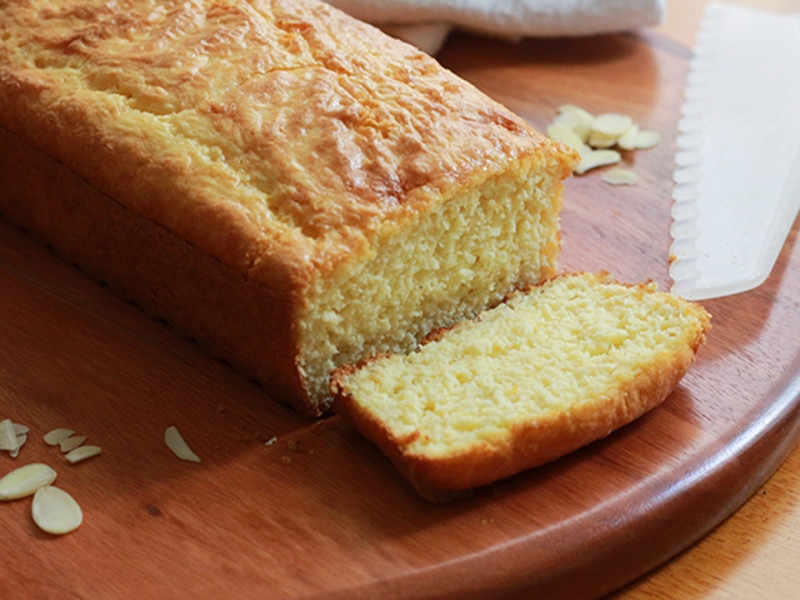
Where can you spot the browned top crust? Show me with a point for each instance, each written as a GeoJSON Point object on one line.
{"type": "Point", "coordinates": [277, 135]}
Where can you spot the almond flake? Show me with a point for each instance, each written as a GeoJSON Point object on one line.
{"type": "Point", "coordinates": [647, 139]}
{"type": "Point", "coordinates": [620, 176]}
{"type": "Point", "coordinates": [577, 118]}
{"type": "Point", "coordinates": [178, 445]}
{"type": "Point", "coordinates": [629, 139]}
{"type": "Point", "coordinates": [611, 124]}
{"type": "Point", "coordinates": [71, 442]}
{"type": "Point", "coordinates": [8, 437]}
{"type": "Point", "coordinates": [82, 453]}
{"type": "Point", "coordinates": [597, 158]}
{"type": "Point", "coordinates": [55, 511]}
{"type": "Point", "coordinates": [25, 480]}
{"type": "Point", "coordinates": [598, 139]}
{"type": "Point", "coordinates": [21, 439]}
{"type": "Point", "coordinates": [565, 134]}
{"type": "Point", "coordinates": [56, 436]}
{"type": "Point", "coordinates": [574, 109]}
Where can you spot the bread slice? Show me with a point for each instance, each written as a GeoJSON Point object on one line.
{"type": "Point", "coordinates": [285, 184]}
{"type": "Point", "coordinates": [546, 372]}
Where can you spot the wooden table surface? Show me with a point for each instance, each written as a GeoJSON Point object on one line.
{"type": "Point", "coordinates": [153, 509]}
{"type": "Point", "coordinates": [755, 553]}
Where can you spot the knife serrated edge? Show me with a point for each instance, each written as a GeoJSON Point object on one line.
{"type": "Point", "coordinates": [686, 261]}
{"type": "Point", "coordinates": [686, 177]}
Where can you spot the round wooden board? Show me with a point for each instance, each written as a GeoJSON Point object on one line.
{"type": "Point", "coordinates": [282, 508]}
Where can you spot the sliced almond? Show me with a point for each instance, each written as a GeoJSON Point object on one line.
{"type": "Point", "coordinates": [620, 176]}
{"type": "Point", "coordinates": [574, 109]}
{"type": "Point", "coordinates": [564, 133]}
{"type": "Point", "coordinates": [647, 139]}
{"type": "Point", "coordinates": [8, 437]}
{"type": "Point", "coordinates": [21, 439]}
{"type": "Point", "coordinates": [56, 436]}
{"type": "Point", "coordinates": [176, 443]}
{"type": "Point", "coordinates": [82, 453]}
{"type": "Point", "coordinates": [577, 118]}
{"type": "Point", "coordinates": [55, 511]}
{"type": "Point", "coordinates": [598, 139]}
{"type": "Point", "coordinates": [611, 124]}
{"type": "Point", "coordinates": [629, 139]}
{"type": "Point", "coordinates": [597, 158]}
{"type": "Point", "coordinates": [25, 480]}
{"type": "Point", "coordinates": [20, 428]}
{"type": "Point", "coordinates": [71, 442]}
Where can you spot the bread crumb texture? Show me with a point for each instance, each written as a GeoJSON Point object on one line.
{"type": "Point", "coordinates": [544, 373]}
{"type": "Point", "coordinates": [452, 264]}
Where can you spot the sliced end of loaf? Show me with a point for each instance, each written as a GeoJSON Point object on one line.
{"type": "Point", "coordinates": [552, 369]}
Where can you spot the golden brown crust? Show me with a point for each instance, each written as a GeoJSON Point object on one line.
{"type": "Point", "coordinates": [290, 106]}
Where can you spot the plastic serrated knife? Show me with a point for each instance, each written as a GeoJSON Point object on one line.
{"type": "Point", "coordinates": [737, 176]}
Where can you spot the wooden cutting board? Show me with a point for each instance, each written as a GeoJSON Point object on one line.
{"type": "Point", "coordinates": [281, 508]}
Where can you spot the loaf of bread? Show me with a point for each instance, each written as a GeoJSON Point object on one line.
{"type": "Point", "coordinates": [554, 368]}
{"type": "Point", "coordinates": [283, 183]}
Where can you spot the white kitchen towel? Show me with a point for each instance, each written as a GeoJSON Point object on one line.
{"type": "Point", "coordinates": [426, 23]}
